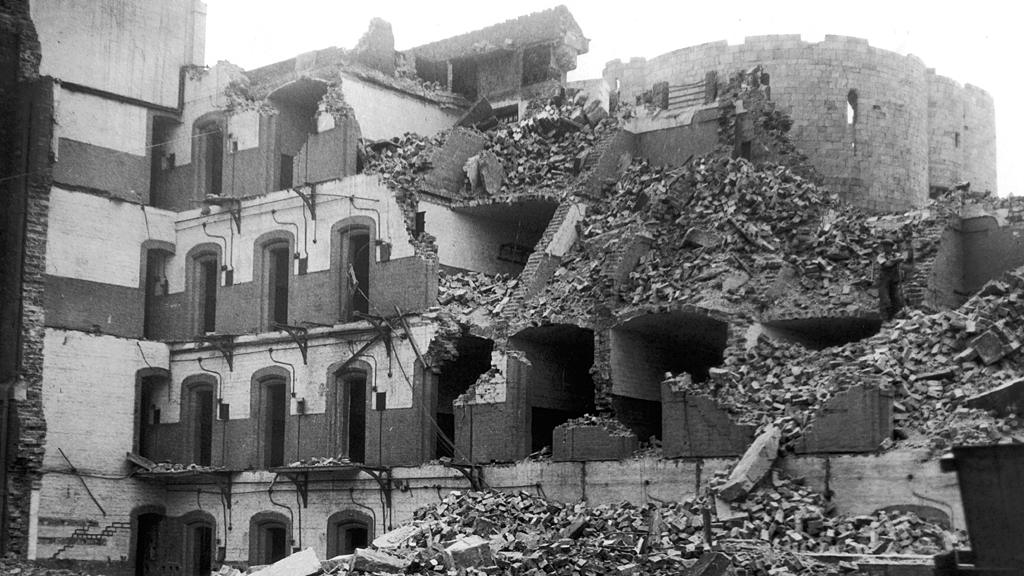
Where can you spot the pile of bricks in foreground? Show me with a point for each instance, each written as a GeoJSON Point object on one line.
{"type": "Point", "coordinates": [769, 532]}
{"type": "Point", "coordinates": [12, 567]}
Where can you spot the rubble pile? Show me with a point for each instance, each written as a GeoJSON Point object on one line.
{"type": "Point", "coordinates": [465, 292]}
{"type": "Point", "coordinates": [611, 425]}
{"type": "Point", "coordinates": [524, 534]}
{"type": "Point", "coordinates": [550, 147]}
{"type": "Point", "coordinates": [15, 567]}
{"type": "Point", "coordinates": [792, 517]}
{"type": "Point", "coordinates": [934, 362]}
{"type": "Point", "coordinates": [727, 234]}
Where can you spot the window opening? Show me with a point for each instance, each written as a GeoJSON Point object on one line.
{"type": "Point", "coordinates": [211, 139]}
{"type": "Point", "coordinates": [350, 413]}
{"type": "Point", "coordinates": [156, 285]}
{"type": "Point", "coordinates": [956, 139]}
{"type": "Point", "coordinates": [350, 536]}
{"type": "Point", "coordinates": [275, 408]}
{"type": "Point", "coordinates": [421, 224]}
{"type": "Point", "coordinates": [287, 174]}
{"type": "Point", "coordinates": [207, 278]}
{"type": "Point", "coordinates": [278, 271]}
{"type": "Point", "coordinates": [201, 410]}
{"type": "Point", "coordinates": [146, 416]}
{"type": "Point", "coordinates": [355, 268]}
{"type": "Point", "coordinates": [272, 544]}
{"type": "Point", "coordinates": [851, 107]}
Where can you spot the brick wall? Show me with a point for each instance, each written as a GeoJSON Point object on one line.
{"type": "Point", "coordinates": [695, 426]}
{"type": "Point", "coordinates": [881, 161]}
{"type": "Point", "coordinates": [26, 123]}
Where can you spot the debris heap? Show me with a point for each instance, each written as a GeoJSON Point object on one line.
{"type": "Point", "coordinates": [935, 363]}
{"type": "Point", "coordinates": [525, 534]}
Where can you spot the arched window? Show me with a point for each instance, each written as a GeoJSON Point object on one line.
{"type": "Point", "coordinates": [202, 278]}
{"type": "Point", "coordinates": [347, 406]}
{"type": "Point", "coordinates": [199, 538]}
{"type": "Point", "coordinates": [270, 405]}
{"type": "Point", "coordinates": [149, 382]}
{"type": "Point", "coordinates": [353, 251]}
{"type": "Point", "coordinates": [269, 538]}
{"type": "Point", "coordinates": [197, 406]}
{"type": "Point", "coordinates": [346, 531]}
{"type": "Point", "coordinates": [153, 276]}
{"type": "Point", "coordinates": [274, 258]}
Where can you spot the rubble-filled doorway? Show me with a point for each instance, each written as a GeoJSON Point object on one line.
{"type": "Point", "coordinates": [646, 347]}
{"type": "Point", "coordinates": [555, 378]}
{"type": "Point", "coordinates": [473, 359]}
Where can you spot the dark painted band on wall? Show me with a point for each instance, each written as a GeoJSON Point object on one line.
{"type": "Point", "coordinates": [93, 306]}
{"type": "Point", "coordinates": [121, 174]}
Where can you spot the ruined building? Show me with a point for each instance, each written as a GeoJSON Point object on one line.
{"type": "Point", "coordinates": [249, 311]}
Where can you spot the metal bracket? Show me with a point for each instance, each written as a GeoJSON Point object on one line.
{"type": "Point", "coordinates": [473, 472]}
{"type": "Point", "coordinates": [383, 477]}
{"type": "Point", "coordinates": [308, 199]}
{"type": "Point", "coordinates": [301, 481]}
{"type": "Point", "coordinates": [224, 484]}
{"type": "Point", "coordinates": [234, 206]}
{"type": "Point", "coordinates": [225, 344]}
{"type": "Point", "coordinates": [300, 334]}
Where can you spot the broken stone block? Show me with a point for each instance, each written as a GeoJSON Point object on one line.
{"type": "Point", "coordinates": [989, 347]}
{"type": "Point", "coordinates": [712, 564]}
{"type": "Point", "coordinates": [1004, 400]}
{"type": "Point", "coordinates": [480, 112]}
{"type": "Point", "coordinates": [756, 462]}
{"type": "Point", "coordinates": [469, 552]}
{"type": "Point", "coordinates": [301, 563]}
{"type": "Point", "coordinates": [365, 560]}
{"type": "Point", "coordinates": [396, 537]}
{"type": "Point", "coordinates": [595, 112]}
{"type": "Point", "coordinates": [697, 238]}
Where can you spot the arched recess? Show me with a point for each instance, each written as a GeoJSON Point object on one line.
{"type": "Point", "coordinates": [208, 145]}
{"type": "Point", "coordinates": [273, 254]}
{"type": "Point", "coordinates": [198, 409]}
{"type": "Point", "coordinates": [348, 402]}
{"type": "Point", "coordinates": [154, 256]}
{"type": "Point", "coordinates": [203, 264]}
{"type": "Point", "coordinates": [348, 530]}
{"type": "Point", "coordinates": [148, 383]}
{"type": "Point", "coordinates": [270, 537]}
{"type": "Point", "coordinates": [199, 542]}
{"type": "Point", "coordinates": [269, 409]}
{"type": "Point", "coordinates": [296, 121]}
{"type": "Point", "coordinates": [353, 256]}
{"type": "Point", "coordinates": [557, 377]}
{"type": "Point", "coordinates": [146, 552]}
{"type": "Point", "coordinates": [646, 346]}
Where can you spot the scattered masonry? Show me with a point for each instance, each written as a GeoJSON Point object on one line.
{"type": "Point", "coordinates": [440, 311]}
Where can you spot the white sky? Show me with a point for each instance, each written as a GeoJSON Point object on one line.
{"type": "Point", "coordinates": [971, 42]}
